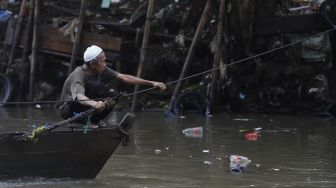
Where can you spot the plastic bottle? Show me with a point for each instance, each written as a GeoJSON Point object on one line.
{"type": "Point", "coordinates": [195, 132]}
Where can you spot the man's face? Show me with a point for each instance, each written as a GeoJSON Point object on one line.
{"type": "Point", "coordinates": [100, 66]}
{"type": "Point", "coordinates": [102, 58]}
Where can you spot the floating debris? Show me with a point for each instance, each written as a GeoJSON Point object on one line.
{"type": "Point", "coordinates": [207, 162]}
{"type": "Point", "coordinates": [38, 106]}
{"type": "Point", "coordinates": [238, 164]}
{"type": "Point", "coordinates": [253, 136]}
{"type": "Point", "coordinates": [158, 152]}
{"type": "Point", "coordinates": [196, 132]}
{"type": "Point", "coordinates": [242, 119]}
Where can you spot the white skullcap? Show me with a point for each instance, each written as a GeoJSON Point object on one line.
{"type": "Point", "coordinates": [91, 53]}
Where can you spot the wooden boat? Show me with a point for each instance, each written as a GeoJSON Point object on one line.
{"type": "Point", "coordinates": [66, 152]}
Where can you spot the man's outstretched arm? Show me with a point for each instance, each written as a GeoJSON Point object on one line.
{"type": "Point", "coordinates": [139, 81]}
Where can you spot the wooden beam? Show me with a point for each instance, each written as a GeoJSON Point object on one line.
{"type": "Point", "coordinates": [78, 36]}
{"type": "Point", "coordinates": [27, 34]}
{"type": "Point", "coordinates": [17, 34]}
{"type": "Point", "coordinates": [34, 50]}
{"type": "Point", "coordinates": [214, 88]}
{"type": "Point", "coordinates": [27, 39]}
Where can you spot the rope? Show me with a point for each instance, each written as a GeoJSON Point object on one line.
{"type": "Point", "coordinates": [38, 131]}
{"type": "Point", "coordinates": [188, 77]}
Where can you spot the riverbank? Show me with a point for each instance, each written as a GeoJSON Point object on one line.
{"type": "Point", "coordinates": [265, 57]}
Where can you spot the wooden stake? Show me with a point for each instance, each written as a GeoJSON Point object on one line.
{"type": "Point", "coordinates": [197, 35]}
{"type": "Point", "coordinates": [143, 49]}
{"type": "Point", "coordinates": [34, 50]}
{"type": "Point", "coordinates": [26, 43]}
{"type": "Point", "coordinates": [78, 36]}
{"type": "Point", "coordinates": [27, 32]}
{"type": "Point", "coordinates": [214, 81]}
{"type": "Point", "coordinates": [17, 33]}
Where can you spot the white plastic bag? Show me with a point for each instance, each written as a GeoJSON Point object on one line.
{"type": "Point", "coordinates": [238, 163]}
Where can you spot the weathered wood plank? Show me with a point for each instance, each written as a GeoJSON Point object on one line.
{"type": "Point", "coordinates": [52, 40]}
{"type": "Point", "coordinates": [63, 43]}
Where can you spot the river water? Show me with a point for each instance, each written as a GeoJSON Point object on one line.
{"type": "Point", "coordinates": [289, 152]}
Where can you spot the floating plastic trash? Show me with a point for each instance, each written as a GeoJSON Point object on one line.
{"type": "Point", "coordinates": [242, 119]}
{"type": "Point", "coordinates": [257, 129]}
{"type": "Point", "coordinates": [196, 132]}
{"type": "Point", "coordinates": [236, 170]}
{"type": "Point", "coordinates": [238, 164]}
{"type": "Point", "coordinates": [253, 136]}
{"type": "Point", "coordinates": [207, 162]}
{"type": "Point", "coordinates": [242, 96]}
{"type": "Point", "coordinates": [158, 152]}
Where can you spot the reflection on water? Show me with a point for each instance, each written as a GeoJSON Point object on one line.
{"type": "Point", "coordinates": [289, 152]}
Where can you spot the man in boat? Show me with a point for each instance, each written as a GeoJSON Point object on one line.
{"type": "Point", "coordinates": [74, 93]}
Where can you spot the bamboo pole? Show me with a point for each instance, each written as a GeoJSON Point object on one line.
{"type": "Point", "coordinates": [78, 36]}
{"type": "Point", "coordinates": [196, 38]}
{"type": "Point", "coordinates": [143, 49]}
{"type": "Point", "coordinates": [214, 81]}
{"type": "Point", "coordinates": [27, 32]}
{"type": "Point", "coordinates": [27, 42]}
{"type": "Point", "coordinates": [34, 50]}
{"type": "Point", "coordinates": [17, 33]}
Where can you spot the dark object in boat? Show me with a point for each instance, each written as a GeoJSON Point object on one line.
{"type": "Point", "coordinates": [67, 152]}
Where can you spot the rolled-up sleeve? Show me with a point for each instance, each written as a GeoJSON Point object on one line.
{"type": "Point", "coordinates": [77, 88]}
{"type": "Point", "coordinates": [109, 73]}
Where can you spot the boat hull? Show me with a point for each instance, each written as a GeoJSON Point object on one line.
{"type": "Point", "coordinates": [62, 153]}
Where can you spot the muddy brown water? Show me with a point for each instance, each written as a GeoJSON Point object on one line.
{"type": "Point", "coordinates": [290, 152]}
